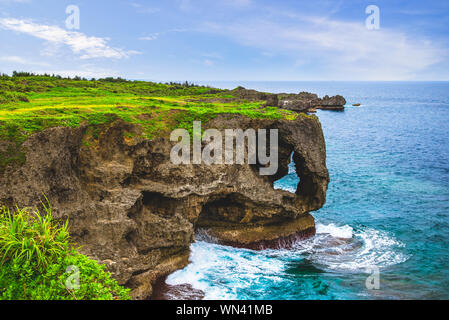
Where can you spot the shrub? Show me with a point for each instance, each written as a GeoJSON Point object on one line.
{"type": "Point", "coordinates": [6, 97]}
{"type": "Point", "coordinates": [30, 236]}
{"type": "Point", "coordinates": [35, 252]}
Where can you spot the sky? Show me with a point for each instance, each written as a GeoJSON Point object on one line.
{"type": "Point", "coordinates": [228, 40]}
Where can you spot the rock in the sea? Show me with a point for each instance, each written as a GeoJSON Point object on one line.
{"type": "Point", "coordinates": [332, 103]}
{"type": "Point", "coordinates": [131, 208]}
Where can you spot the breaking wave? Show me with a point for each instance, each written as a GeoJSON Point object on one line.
{"type": "Point", "coordinates": [223, 272]}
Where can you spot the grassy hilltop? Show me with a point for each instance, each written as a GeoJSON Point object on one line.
{"type": "Point", "coordinates": [30, 103]}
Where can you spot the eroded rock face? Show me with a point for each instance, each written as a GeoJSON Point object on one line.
{"type": "Point", "coordinates": [306, 102]}
{"type": "Point", "coordinates": [250, 94]}
{"type": "Point", "coordinates": [303, 102]}
{"type": "Point", "coordinates": [331, 103]}
{"type": "Point", "coordinates": [132, 209]}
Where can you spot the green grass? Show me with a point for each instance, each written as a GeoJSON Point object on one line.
{"type": "Point", "coordinates": [29, 236]}
{"type": "Point", "coordinates": [30, 103]}
{"type": "Point", "coordinates": [35, 251]}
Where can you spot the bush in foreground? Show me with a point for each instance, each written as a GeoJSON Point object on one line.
{"type": "Point", "coordinates": [38, 262]}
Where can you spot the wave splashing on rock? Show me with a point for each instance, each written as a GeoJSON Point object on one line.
{"type": "Point", "coordinates": [224, 272]}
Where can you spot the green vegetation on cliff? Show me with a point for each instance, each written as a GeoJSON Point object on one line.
{"type": "Point", "coordinates": [30, 103]}
{"type": "Point", "coordinates": [38, 262]}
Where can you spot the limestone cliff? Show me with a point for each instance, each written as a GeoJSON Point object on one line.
{"type": "Point", "coordinates": [298, 102]}
{"type": "Point", "coordinates": [132, 209]}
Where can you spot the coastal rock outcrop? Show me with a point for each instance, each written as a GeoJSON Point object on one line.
{"type": "Point", "coordinates": [302, 102]}
{"type": "Point", "coordinates": [249, 94]}
{"type": "Point", "coordinates": [132, 209]}
{"type": "Point", "coordinates": [331, 103]}
{"type": "Point", "coordinates": [307, 102]}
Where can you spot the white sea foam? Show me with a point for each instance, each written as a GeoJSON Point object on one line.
{"type": "Point", "coordinates": [344, 232]}
{"type": "Point", "coordinates": [289, 189]}
{"type": "Point", "coordinates": [343, 248]}
{"type": "Point", "coordinates": [223, 272]}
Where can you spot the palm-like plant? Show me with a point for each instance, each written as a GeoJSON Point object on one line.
{"type": "Point", "coordinates": [26, 235]}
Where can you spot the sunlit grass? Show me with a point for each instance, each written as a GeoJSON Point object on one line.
{"type": "Point", "coordinates": [28, 235]}
{"type": "Point", "coordinates": [156, 108]}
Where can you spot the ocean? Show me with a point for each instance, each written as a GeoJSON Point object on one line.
{"type": "Point", "coordinates": [387, 207]}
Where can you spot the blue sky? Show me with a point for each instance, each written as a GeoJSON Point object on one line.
{"type": "Point", "coordinates": [200, 40]}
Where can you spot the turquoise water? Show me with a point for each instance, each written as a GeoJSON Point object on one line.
{"type": "Point", "coordinates": [387, 205]}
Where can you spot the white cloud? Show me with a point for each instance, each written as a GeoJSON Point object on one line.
{"type": "Point", "coordinates": [156, 35]}
{"type": "Point", "coordinates": [150, 37]}
{"type": "Point", "coordinates": [344, 50]}
{"type": "Point", "coordinates": [143, 9]}
{"type": "Point", "coordinates": [14, 59]}
{"type": "Point", "coordinates": [84, 71]}
{"type": "Point", "coordinates": [87, 47]}
{"type": "Point", "coordinates": [23, 61]}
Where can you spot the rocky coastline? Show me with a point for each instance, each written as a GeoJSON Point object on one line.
{"type": "Point", "coordinates": [133, 210]}
{"type": "Point", "coordinates": [300, 102]}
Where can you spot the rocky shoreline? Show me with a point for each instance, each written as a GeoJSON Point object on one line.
{"type": "Point", "coordinates": [164, 291]}
{"type": "Point", "coordinates": [301, 102]}
{"type": "Point", "coordinates": [133, 210]}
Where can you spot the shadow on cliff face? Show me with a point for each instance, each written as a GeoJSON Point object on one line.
{"type": "Point", "coordinates": [234, 208]}
{"type": "Point", "coordinates": [274, 218]}
{"type": "Point", "coordinates": [157, 225]}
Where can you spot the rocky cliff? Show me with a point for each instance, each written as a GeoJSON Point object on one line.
{"type": "Point", "coordinates": [132, 209]}
{"type": "Point", "coordinates": [303, 102]}
{"type": "Point", "coordinates": [309, 102]}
